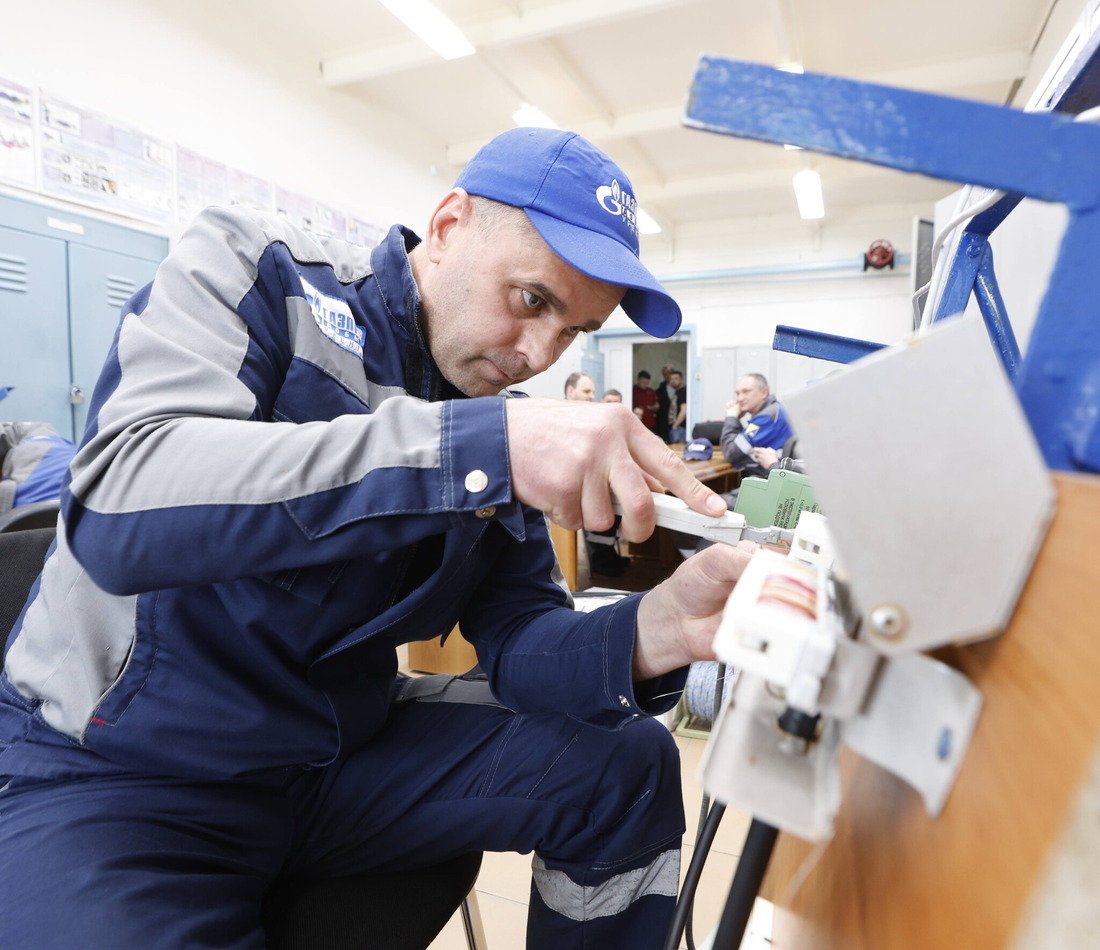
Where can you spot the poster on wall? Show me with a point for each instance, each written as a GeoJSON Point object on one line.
{"type": "Point", "coordinates": [250, 191]}
{"type": "Point", "coordinates": [200, 183]}
{"type": "Point", "coordinates": [18, 157]}
{"type": "Point", "coordinates": [94, 160]}
{"type": "Point", "coordinates": [365, 232]}
{"type": "Point", "coordinates": [310, 215]}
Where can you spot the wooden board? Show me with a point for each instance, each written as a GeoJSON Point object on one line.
{"type": "Point", "coordinates": [894, 879]}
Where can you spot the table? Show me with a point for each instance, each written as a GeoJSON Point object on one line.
{"type": "Point", "coordinates": [714, 472]}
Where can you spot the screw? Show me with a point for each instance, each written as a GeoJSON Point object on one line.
{"type": "Point", "coordinates": [889, 621]}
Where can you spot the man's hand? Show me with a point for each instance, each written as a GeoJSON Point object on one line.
{"type": "Point", "coordinates": [677, 620]}
{"type": "Point", "coordinates": [569, 459]}
{"type": "Point", "coordinates": [764, 456]}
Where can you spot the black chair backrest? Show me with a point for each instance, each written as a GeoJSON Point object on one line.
{"type": "Point", "coordinates": [21, 557]}
{"type": "Point", "coordinates": [38, 514]}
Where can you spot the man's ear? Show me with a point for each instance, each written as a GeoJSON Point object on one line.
{"type": "Point", "coordinates": [455, 209]}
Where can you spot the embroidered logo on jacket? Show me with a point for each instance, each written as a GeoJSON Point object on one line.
{"type": "Point", "coordinates": [333, 318]}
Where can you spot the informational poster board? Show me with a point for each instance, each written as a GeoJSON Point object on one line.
{"type": "Point", "coordinates": [55, 147]}
{"type": "Point", "coordinates": [94, 160]}
{"type": "Point", "coordinates": [18, 151]}
{"type": "Point", "coordinates": [200, 182]}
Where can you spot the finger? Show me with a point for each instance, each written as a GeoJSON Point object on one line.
{"type": "Point", "coordinates": [661, 463]}
{"type": "Point", "coordinates": [632, 492]}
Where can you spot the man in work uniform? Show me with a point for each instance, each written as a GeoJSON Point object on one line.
{"type": "Point", "coordinates": [754, 419]}
{"type": "Point", "coordinates": [301, 454]}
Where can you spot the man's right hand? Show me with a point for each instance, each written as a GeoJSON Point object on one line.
{"type": "Point", "coordinates": [570, 459]}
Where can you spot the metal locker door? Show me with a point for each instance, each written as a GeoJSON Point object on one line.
{"type": "Point", "coordinates": [100, 283]}
{"type": "Point", "coordinates": [34, 330]}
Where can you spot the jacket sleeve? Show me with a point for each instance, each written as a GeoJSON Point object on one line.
{"type": "Point", "coordinates": [184, 476]}
{"type": "Point", "coordinates": [735, 447]}
{"type": "Point", "coordinates": [542, 656]}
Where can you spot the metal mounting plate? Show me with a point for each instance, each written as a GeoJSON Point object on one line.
{"type": "Point", "coordinates": [933, 484]}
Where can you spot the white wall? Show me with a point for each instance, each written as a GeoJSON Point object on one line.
{"type": "Point", "coordinates": [183, 81]}
{"type": "Point", "coordinates": [238, 105]}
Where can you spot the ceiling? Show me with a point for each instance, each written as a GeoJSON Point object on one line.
{"type": "Point", "coordinates": [618, 71]}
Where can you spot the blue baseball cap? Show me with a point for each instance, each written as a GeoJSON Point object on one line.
{"type": "Point", "coordinates": [698, 449]}
{"type": "Point", "coordinates": [583, 206]}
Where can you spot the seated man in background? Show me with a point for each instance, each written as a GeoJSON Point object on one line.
{"type": "Point", "coordinates": [34, 458]}
{"type": "Point", "coordinates": [300, 455]}
{"type": "Point", "coordinates": [754, 419]}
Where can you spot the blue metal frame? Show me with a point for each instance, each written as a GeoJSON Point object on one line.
{"type": "Point", "coordinates": [821, 346]}
{"type": "Point", "coordinates": [1040, 155]}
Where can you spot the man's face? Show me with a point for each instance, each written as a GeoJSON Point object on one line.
{"type": "Point", "coordinates": [750, 395]}
{"type": "Point", "coordinates": [585, 390]}
{"type": "Point", "coordinates": [498, 306]}
{"type": "Point", "coordinates": [612, 397]}
{"type": "Point", "coordinates": [675, 380]}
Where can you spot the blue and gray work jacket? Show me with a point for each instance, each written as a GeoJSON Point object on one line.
{"type": "Point", "coordinates": [273, 491]}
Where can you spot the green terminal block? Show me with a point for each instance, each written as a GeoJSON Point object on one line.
{"type": "Point", "coordinates": [776, 500]}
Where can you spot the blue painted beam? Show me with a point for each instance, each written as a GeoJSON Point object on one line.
{"type": "Point", "coordinates": [821, 346]}
{"type": "Point", "coordinates": [1040, 155]}
{"type": "Point", "coordinates": [1046, 156]}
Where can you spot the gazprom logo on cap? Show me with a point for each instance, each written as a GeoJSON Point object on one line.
{"type": "Point", "coordinates": [615, 200]}
{"type": "Point", "coordinates": [333, 317]}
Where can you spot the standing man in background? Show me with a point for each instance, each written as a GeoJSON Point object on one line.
{"type": "Point", "coordinates": [579, 386]}
{"type": "Point", "coordinates": [754, 419]}
{"type": "Point", "coordinates": [300, 455]}
{"type": "Point", "coordinates": [644, 401]}
{"type": "Point", "coordinates": [612, 395]}
{"type": "Point", "coordinates": [672, 408]}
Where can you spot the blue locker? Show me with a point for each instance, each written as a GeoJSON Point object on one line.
{"type": "Point", "coordinates": [34, 329]}
{"type": "Point", "coordinates": [100, 282]}
{"type": "Point", "coordinates": [63, 280]}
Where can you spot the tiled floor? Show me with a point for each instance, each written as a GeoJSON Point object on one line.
{"type": "Point", "coordinates": [505, 878]}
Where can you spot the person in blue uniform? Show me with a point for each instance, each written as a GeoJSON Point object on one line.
{"type": "Point", "coordinates": [299, 456]}
{"type": "Point", "coordinates": [754, 419]}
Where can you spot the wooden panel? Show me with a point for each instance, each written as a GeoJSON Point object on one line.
{"type": "Point", "coordinates": [894, 878]}
{"type": "Point", "coordinates": [565, 547]}
{"type": "Point", "coordinates": [456, 655]}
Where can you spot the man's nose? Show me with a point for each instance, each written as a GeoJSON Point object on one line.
{"type": "Point", "coordinates": [538, 346]}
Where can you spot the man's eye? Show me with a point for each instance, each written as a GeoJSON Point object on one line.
{"type": "Point", "coordinates": [534, 301]}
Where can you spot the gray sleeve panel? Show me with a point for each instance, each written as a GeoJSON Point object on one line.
{"type": "Point", "coordinates": [176, 429]}
{"type": "Point", "coordinates": [73, 644]}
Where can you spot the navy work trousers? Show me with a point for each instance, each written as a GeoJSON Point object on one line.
{"type": "Point", "coordinates": [129, 862]}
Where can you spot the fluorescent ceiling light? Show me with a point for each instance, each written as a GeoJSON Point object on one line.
{"type": "Point", "coordinates": [432, 26]}
{"type": "Point", "coordinates": [646, 223]}
{"type": "Point", "coordinates": [533, 115]}
{"type": "Point", "coordinates": [807, 191]}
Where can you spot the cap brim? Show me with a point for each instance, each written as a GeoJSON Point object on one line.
{"type": "Point", "coordinates": [598, 256]}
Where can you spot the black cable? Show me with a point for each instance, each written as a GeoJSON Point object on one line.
{"type": "Point", "coordinates": [715, 709]}
{"type": "Point", "coordinates": [759, 843]}
{"type": "Point", "coordinates": [694, 872]}
{"type": "Point", "coordinates": [709, 820]}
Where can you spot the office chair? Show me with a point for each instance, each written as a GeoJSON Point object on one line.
{"type": "Point", "coordinates": [400, 911]}
{"type": "Point", "coordinates": [38, 514]}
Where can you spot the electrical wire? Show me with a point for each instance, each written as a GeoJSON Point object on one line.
{"type": "Point", "coordinates": [691, 879]}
